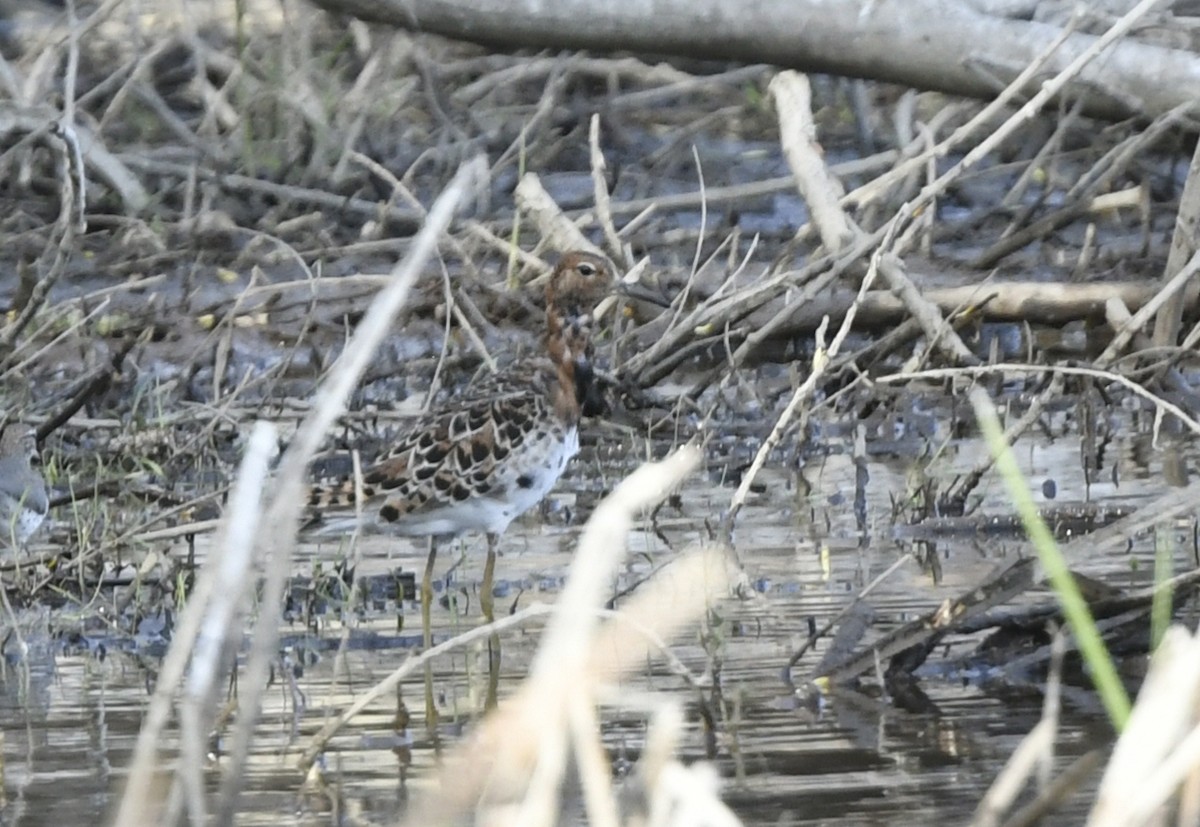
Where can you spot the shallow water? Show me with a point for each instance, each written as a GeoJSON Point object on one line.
{"type": "Point", "coordinates": [69, 731]}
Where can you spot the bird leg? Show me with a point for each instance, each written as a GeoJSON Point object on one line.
{"type": "Point", "coordinates": [487, 602]}
{"type": "Point", "coordinates": [431, 715]}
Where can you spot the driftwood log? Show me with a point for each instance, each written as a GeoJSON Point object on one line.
{"type": "Point", "coordinates": [1035, 302]}
{"type": "Point", "coordinates": [928, 44]}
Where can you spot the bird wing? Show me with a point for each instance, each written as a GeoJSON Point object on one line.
{"type": "Point", "coordinates": [448, 456]}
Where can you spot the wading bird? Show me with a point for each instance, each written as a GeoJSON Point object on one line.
{"type": "Point", "coordinates": [23, 501]}
{"type": "Point", "coordinates": [483, 458]}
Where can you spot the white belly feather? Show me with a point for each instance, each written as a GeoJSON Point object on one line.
{"type": "Point", "coordinates": [520, 483]}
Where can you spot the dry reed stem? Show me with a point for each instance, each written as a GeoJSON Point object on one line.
{"type": "Point", "coordinates": [551, 94]}
{"type": "Point", "coordinates": [1048, 90]}
{"type": "Point", "coordinates": [1173, 287]}
{"type": "Point", "coordinates": [751, 189]}
{"type": "Point", "coordinates": [557, 231]}
{"type": "Point", "coordinates": [66, 128]}
{"type": "Point", "coordinates": [198, 634]}
{"type": "Point", "coordinates": [409, 667]}
{"type": "Point", "coordinates": [65, 228]}
{"type": "Point", "coordinates": [654, 646]}
{"type": "Point", "coordinates": [219, 613]}
{"type": "Point", "coordinates": [1160, 746]}
{"type": "Point", "coordinates": [600, 191]}
{"type": "Point", "coordinates": [405, 219]}
{"type": "Point", "coordinates": [1078, 201]}
{"type": "Point", "coordinates": [1185, 239]}
{"type": "Point", "coordinates": [798, 135]}
{"type": "Point", "coordinates": [1047, 152]}
{"type": "Point", "coordinates": [68, 323]}
{"type": "Point", "coordinates": [637, 632]}
{"type": "Point", "coordinates": [1034, 752]}
{"type": "Point", "coordinates": [36, 119]}
{"type": "Point", "coordinates": [878, 188]}
{"type": "Point", "coordinates": [1016, 772]}
{"type": "Point", "coordinates": [505, 246]}
{"type": "Point", "coordinates": [628, 68]}
{"type": "Point", "coordinates": [601, 550]}
{"type": "Point", "coordinates": [675, 597]}
{"type": "Point", "coordinates": [276, 534]}
{"type": "Point", "coordinates": [715, 313]}
{"type": "Point", "coordinates": [1061, 788]}
{"type": "Point", "coordinates": [1129, 150]}
{"type": "Point", "coordinates": [820, 363]}
{"type": "Point", "coordinates": [455, 299]}
{"type": "Point", "coordinates": [939, 333]}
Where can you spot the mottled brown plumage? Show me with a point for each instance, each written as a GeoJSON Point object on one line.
{"type": "Point", "coordinates": [484, 458]}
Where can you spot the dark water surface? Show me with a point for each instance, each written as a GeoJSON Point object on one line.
{"type": "Point", "coordinates": [69, 724]}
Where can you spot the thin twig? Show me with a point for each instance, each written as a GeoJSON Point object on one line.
{"type": "Point", "coordinates": [1012, 367]}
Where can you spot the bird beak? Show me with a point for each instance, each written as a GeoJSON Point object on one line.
{"type": "Point", "coordinates": [630, 286]}
{"type": "Point", "coordinates": [632, 291]}
{"type": "Point", "coordinates": [641, 292]}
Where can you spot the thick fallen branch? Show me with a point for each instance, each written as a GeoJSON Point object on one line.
{"type": "Point", "coordinates": [1021, 301]}
{"type": "Point", "coordinates": [1035, 302]}
{"type": "Point", "coordinates": [975, 53]}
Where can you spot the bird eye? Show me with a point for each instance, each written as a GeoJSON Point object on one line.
{"type": "Point", "coordinates": [586, 269]}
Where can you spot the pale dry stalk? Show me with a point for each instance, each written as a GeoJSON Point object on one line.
{"type": "Point", "coordinates": [1160, 746]}
{"type": "Point", "coordinates": [276, 532]}
{"type": "Point", "coordinates": [798, 135]}
{"type": "Point", "coordinates": [600, 191]}
{"type": "Point", "coordinates": [1185, 241]}
{"type": "Point", "coordinates": [557, 231]}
